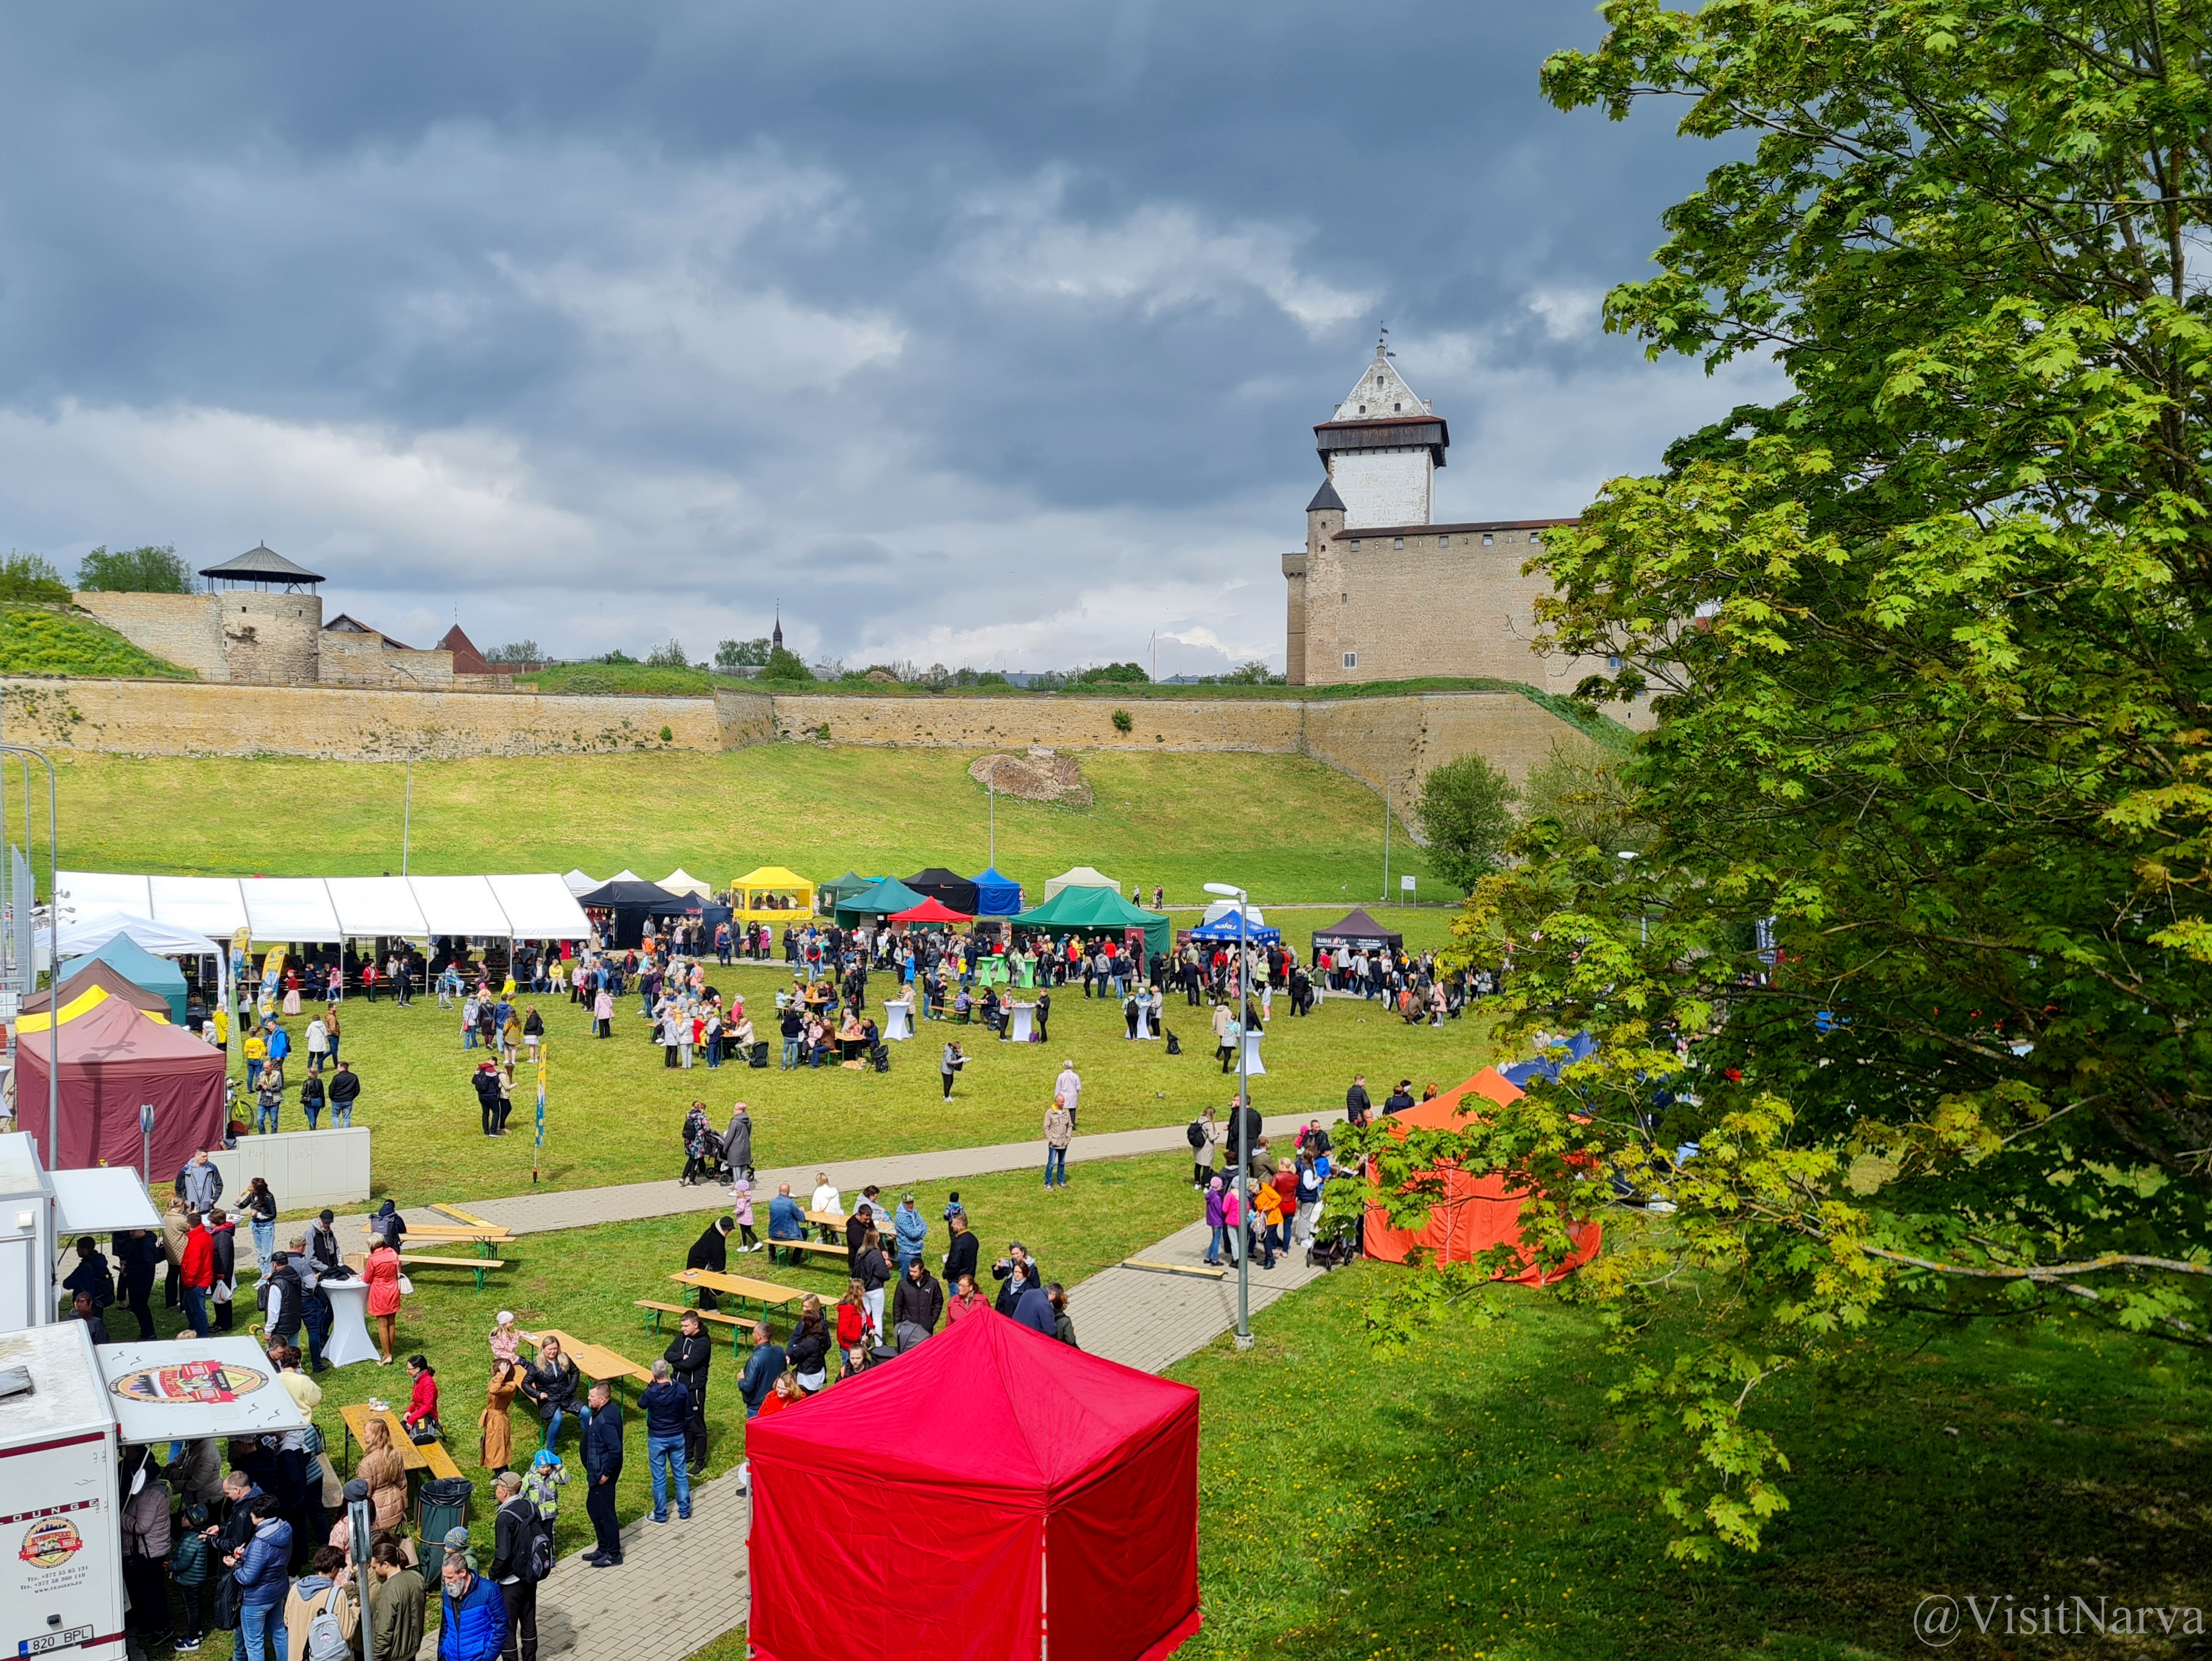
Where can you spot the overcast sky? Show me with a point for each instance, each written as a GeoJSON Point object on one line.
{"type": "Point", "coordinates": [985, 333]}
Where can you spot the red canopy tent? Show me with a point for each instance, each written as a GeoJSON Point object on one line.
{"type": "Point", "coordinates": [113, 1059]}
{"type": "Point", "coordinates": [1475, 1212]}
{"type": "Point", "coordinates": [1014, 1488]}
{"type": "Point", "coordinates": [931, 911]}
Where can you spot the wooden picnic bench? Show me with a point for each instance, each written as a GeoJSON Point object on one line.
{"type": "Point", "coordinates": [358, 1260]}
{"type": "Point", "coordinates": [594, 1362]}
{"type": "Point", "coordinates": [767, 1294]}
{"type": "Point", "coordinates": [429, 1457]}
{"type": "Point", "coordinates": [837, 1250]}
{"type": "Point", "coordinates": [486, 1237]}
{"type": "Point", "coordinates": [654, 1310]}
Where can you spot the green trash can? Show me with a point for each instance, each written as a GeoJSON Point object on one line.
{"type": "Point", "coordinates": [441, 1504]}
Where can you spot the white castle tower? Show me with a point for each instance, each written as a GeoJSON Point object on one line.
{"type": "Point", "coordinates": [1382, 447]}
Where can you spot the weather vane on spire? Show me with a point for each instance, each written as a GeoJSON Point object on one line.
{"type": "Point", "coordinates": [1382, 343]}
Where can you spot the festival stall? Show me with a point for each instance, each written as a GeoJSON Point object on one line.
{"type": "Point", "coordinates": [934, 912]}
{"type": "Point", "coordinates": [948, 888]}
{"type": "Point", "coordinates": [127, 958]}
{"type": "Point", "coordinates": [83, 935]}
{"type": "Point", "coordinates": [110, 983]}
{"type": "Point", "coordinates": [577, 881]}
{"type": "Point", "coordinates": [1081, 876]}
{"type": "Point", "coordinates": [1356, 932]}
{"type": "Point", "coordinates": [680, 881]}
{"type": "Point", "coordinates": [831, 896]}
{"type": "Point", "coordinates": [113, 1058]}
{"type": "Point", "coordinates": [878, 900]}
{"type": "Point", "coordinates": [1225, 931]}
{"type": "Point", "coordinates": [1032, 1497]}
{"type": "Point", "coordinates": [996, 895]}
{"type": "Point", "coordinates": [631, 906]}
{"type": "Point", "coordinates": [772, 895]}
{"type": "Point", "coordinates": [1089, 911]}
{"type": "Point", "coordinates": [1473, 1213]}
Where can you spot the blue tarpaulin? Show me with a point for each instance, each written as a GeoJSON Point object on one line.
{"type": "Point", "coordinates": [1548, 1064]}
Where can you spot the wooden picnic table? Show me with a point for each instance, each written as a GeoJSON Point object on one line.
{"type": "Point", "coordinates": [415, 1456]}
{"type": "Point", "coordinates": [767, 1294]}
{"type": "Point", "coordinates": [487, 1237]}
{"type": "Point", "coordinates": [594, 1362]}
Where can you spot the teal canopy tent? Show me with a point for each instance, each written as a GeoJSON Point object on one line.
{"type": "Point", "coordinates": [880, 900]}
{"type": "Point", "coordinates": [140, 967]}
{"type": "Point", "coordinates": [1081, 910]}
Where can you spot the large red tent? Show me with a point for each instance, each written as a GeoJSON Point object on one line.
{"type": "Point", "coordinates": [1475, 1212]}
{"type": "Point", "coordinates": [1017, 1492]}
{"type": "Point", "coordinates": [931, 911]}
{"type": "Point", "coordinates": [114, 1059]}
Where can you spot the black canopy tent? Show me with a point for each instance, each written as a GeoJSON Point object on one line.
{"type": "Point", "coordinates": [1359, 930]}
{"type": "Point", "coordinates": [633, 903]}
{"type": "Point", "coordinates": [948, 888]}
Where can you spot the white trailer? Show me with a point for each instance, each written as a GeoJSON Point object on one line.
{"type": "Point", "coordinates": [61, 1537]}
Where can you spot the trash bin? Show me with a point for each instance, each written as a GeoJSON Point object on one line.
{"type": "Point", "coordinates": [441, 1503]}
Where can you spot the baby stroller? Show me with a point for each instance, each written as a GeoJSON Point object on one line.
{"type": "Point", "coordinates": [706, 1160]}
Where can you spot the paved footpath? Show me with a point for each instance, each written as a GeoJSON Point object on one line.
{"type": "Point", "coordinates": [682, 1583]}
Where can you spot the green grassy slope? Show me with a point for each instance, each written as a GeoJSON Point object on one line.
{"type": "Point", "coordinates": [1286, 827]}
{"type": "Point", "coordinates": [47, 640]}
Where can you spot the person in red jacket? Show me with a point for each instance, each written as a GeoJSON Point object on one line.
{"type": "Point", "coordinates": [197, 1271]}
{"type": "Point", "coordinates": [421, 1416]}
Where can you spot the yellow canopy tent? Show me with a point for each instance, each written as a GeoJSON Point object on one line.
{"type": "Point", "coordinates": [772, 895]}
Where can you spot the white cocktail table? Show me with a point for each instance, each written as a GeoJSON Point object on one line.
{"type": "Point", "coordinates": [349, 1341]}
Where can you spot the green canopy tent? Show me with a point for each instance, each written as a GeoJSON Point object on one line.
{"type": "Point", "coordinates": [1080, 909]}
{"type": "Point", "coordinates": [878, 900]}
{"type": "Point", "coordinates": [140, 967]}
{"type": "Point", "coordinates": [830, 895]}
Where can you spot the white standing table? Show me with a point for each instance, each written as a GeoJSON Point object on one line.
{"type": "Point", "coordinates": [898, 1020]}
{"type": "Point", "coordinates": [349, 1341]}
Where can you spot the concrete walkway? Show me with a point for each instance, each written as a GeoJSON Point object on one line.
{"type": "Point", "coordinates": [682, 1585]}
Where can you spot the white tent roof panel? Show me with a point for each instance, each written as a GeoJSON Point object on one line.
{"type": "Point", "coordinates": [370, 907]}
{"type": "Point", "coordinates": [290, 908]}
{"type": "Point", "coordinates": [206, 904]}
{"type": "Point", "coordinates": [459, 904]}
{"type": "Point", "coordinates": [87, 893]}
{"type": "Point", "coordinates": [579, 882]}
{"type": "Point", "coordinates": [101, 1200]}
{"type": "Point", "coordinates": [1081, 876]}
{"type": "Point", "coordinates": [540, 908]}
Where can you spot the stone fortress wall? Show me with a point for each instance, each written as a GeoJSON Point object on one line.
{"type": "Point", "coordinates": [257, 637]}
{"type": "Point", "coordinates": [1384, 743]}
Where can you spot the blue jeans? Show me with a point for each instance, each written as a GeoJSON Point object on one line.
{"type": "Point", "coordinates": [265, 1245]}
{"type": "Point", "coordinates": [468, 1037]}
{"type": "Point", "coordinates": [791, 1052]}
{"type": "Point", "coordinates": [196, 1308]}
{"type": "Point", "coordinates": [255, 1621]}
{"type": "Point", "coordinates": [1214, 1246]}
{"type": "Point", "coordinates": [1055, 1161]}
{"type": "Point", "coordinates": [264, 1120]}
{"type": "Point", "coordinates": [666, 1454]}
{"type": "Point", "coordinates": [553, 1428]}
{"type": "Point", "coordinates": [342, 1115]}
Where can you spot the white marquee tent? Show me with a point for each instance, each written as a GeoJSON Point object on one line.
{"type": "Point", "coordinates": [1082, 876]}
{"type": "Point", "coordinates": [315, 909]}
{"type": "Point", "coordinates": [680, 881]}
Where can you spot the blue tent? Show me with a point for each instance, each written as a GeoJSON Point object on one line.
{"type": "Point", "coordinates": [1225, 927]}
{"type": "Point", "coordinates": [1549, 1064]}
{"type": "Point", "coordinates": [996, 895]}
{"type": "Point", "coordinates": [140, 967]}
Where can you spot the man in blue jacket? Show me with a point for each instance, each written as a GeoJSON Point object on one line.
{"type": "Point", "coordinates": [262, 1568]}
{"type": "Point", "coordinates": [475, 1624]}
{"type": "Point", "coordinates": [763, 1368]}
{"type": "Point", "coordinates": [911, 1232]}
{"type": "Point", "coordinates": [603, 1464]}
{"type": "Point", "coordinates": [667, 1407]}
{"type": "Point", "coordinates": [786, 1220]}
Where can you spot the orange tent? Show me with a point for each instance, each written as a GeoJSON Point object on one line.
{"type": "Point", "coordinates": [1475, 1212]}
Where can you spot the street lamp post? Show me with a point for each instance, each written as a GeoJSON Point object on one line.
{"type": "Point", "coordinates": [1242, 1244]}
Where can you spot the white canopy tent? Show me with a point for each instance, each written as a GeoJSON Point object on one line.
{"type": "Point", "coordinates": [290, 908]}
{"type": "Point", "coordinates": [1082, 876]}
{"type": "Point", "coordinates": [210, 905]}
{"type": "Point", "coordinates": [1221, 908]}
{"type": "Point", "coordinates": [101, 1200]}
{"type": "Point", "coordinates": [372, 907]}
{"type": "Point", "coordinates": [579, 882]}
{"type": "Point", "coordinates": [625, 874]}
{"type": "Point", "coordinates": [203, 914]}
{"type": "Point", "coordinates": [89, 894]}
{"type": "Point", "coordinates": [680, 881]}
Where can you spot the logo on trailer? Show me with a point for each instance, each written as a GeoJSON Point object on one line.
{"type": "Point", "coordinates": [51, 1544]}
{"type": "Point", "coordinates": [193, 1382]}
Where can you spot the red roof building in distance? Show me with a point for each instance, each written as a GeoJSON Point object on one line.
{"type": "Point", "coordinates": [467, 660]}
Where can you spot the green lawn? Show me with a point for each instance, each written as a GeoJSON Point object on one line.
{"type": "Point", "coordinates": [583, 1281]}
{"type": "Point", "coordinates": [49, 641]}
{"type": "Point", "coordinates": [614, 1110]}
{"type": "Point", "coordinates": [1177, 821]}
{"type": "Point", "coordinates": [1437, 1504]}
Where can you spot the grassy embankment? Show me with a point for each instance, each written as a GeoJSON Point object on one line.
{"type": "Point", "coordinates": [38, 640]}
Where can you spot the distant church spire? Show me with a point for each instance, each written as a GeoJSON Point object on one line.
{"type": "Point", "coordinates": [775, 640]}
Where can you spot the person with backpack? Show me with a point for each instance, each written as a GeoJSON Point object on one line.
{"type": "Point", "coordinates": [1204, 1134]}
{"type": "Point", "coordinates": [323, 1615]}
{"type": "Point", "coordinates": [521, 1556]}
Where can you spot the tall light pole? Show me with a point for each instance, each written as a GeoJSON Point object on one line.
{"type": "Point", "coordinates": [53, 945]}
{"type": "Point", "coordinates": [1244, 1122]}
{"type": "Point", "coordinates": [407, 819]}
{"type": "Point", "coordinates": [991, 784]}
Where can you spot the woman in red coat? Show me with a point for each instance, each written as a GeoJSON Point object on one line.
{"type": "Point", "coordinates": [382, 1273]}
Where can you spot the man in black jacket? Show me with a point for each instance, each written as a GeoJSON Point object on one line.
{"type": "Point", "coordinates": [603, 1464]}
{"type": "Point", "coordinates": [345, 1089]}
{"type": "Point", "coordinates": [138, 1258]}
{"type": "Point", "coordinates": [486, 1081]}
{"type": "Point", "coordinates": [711, 1252]}
{"type": "Point", "coordinates": [690, 1357]}
{"type": "Point", "coordinates": [1357, 1105]}
{"type": "Point", "coordinates": [282, 1302]}
{"type": "Point", "coordinates": [1240, 1131]}
{"type": "Point", "coordinates": [916, 1306]}
{"type": "Point", "coordinates": [962, 1259]}
{"type": "Point", "coordinates": [513, 1535]}
{"type": "Point", "coordinates": [856, 1233]}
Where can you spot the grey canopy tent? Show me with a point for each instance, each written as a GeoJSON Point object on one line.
{"type": "Point", "coordinates": [1357, 931]}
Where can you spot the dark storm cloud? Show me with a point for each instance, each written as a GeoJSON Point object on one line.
{"type": "Point", "coordinates": [556, 317]}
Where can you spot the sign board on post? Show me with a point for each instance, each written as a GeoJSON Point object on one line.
{"type": "Point", "coordinates": [1406, 883]}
